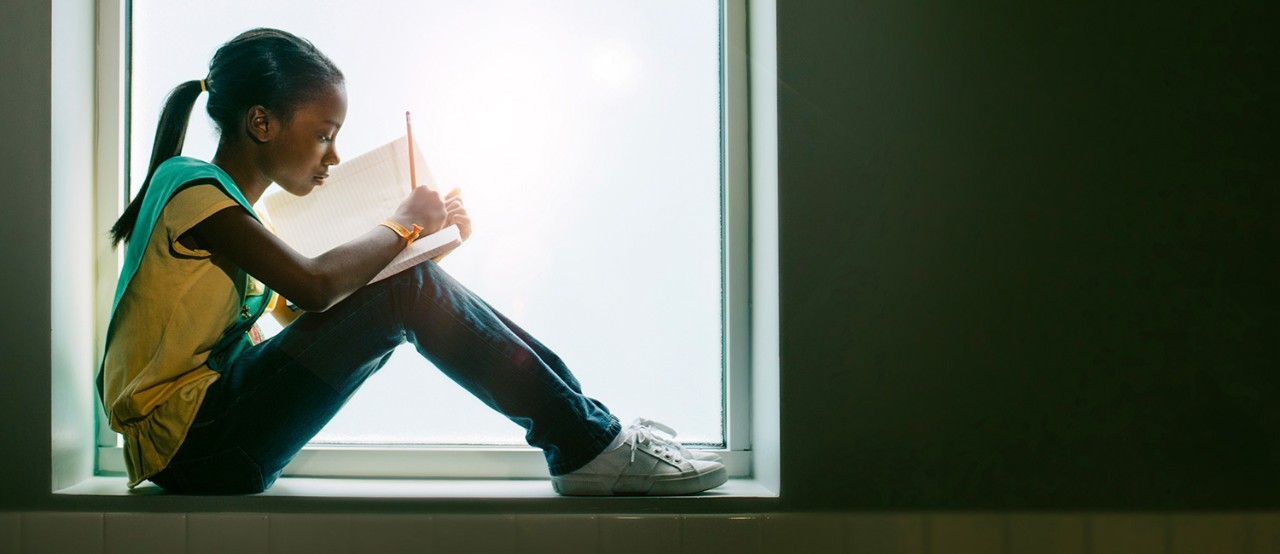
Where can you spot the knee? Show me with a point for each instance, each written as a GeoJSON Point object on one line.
{"type": "Point", "coordinates": [423, 273]}
{"type": "Point", "coordinates": [428, 276]}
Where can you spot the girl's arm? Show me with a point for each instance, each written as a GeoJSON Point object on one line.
{"type": "Point", "coordinates": [314, 284]}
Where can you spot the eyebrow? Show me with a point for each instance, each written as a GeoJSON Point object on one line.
{"type": "Point", "coordinates": [334, 123]}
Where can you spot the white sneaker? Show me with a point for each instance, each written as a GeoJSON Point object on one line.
{"type": "Point", "coordinates": [669, 435]}
{"type": "Point", "coordinates": [648, 466]}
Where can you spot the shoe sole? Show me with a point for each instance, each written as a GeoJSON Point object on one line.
{"type": "Point", "coordinates": [672, 486]}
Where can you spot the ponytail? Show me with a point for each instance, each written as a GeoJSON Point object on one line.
{"type": "Point", "coordinates": [170, 134]}
{"type": "Point", "coordinates": [259, 67]}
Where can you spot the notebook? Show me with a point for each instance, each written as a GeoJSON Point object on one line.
{"type": "Point", "coordinates": [358, 194]}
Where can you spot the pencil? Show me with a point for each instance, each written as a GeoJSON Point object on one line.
{"type": "Point", "coordinates": [413, 176]}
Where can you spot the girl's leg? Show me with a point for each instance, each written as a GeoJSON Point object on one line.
{"type": "Point", "coordinates": [504, 367]}
{"type": "Point", "coordinates": [280, 393]}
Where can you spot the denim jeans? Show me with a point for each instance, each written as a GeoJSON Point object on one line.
{"type": "Point", "coordinates": [278, 394]}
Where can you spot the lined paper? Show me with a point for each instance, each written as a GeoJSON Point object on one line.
{"type": "Point", "coordinates": [358, 194]}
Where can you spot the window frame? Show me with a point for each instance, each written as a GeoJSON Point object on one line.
{"type": "Point", "coordinates": [454, 462]}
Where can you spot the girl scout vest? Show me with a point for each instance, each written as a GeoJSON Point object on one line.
{"type": "Point", "coordinates": [171, 176]}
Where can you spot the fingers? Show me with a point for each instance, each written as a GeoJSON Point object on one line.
{"type": "Point", "coordinates": [457, 213]}
{"type": "Point", "coordinates": [428, 208]}
{"type": "Point", "coordinates": [463, 221]}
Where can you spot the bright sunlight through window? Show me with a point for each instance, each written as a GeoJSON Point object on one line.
{"type": "Point", "coordinates": [585, 135]}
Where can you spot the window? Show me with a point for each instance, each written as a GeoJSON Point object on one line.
{"type": "Point", "coordinates": [595, 146]}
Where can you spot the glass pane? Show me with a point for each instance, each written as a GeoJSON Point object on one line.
{"type": "Point", "coordinates": [586, 136]}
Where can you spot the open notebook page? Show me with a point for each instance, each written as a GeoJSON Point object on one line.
{"type": "Point", "coordinates": [358, 194]}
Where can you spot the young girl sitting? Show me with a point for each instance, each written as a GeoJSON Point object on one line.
{"type": "Point", "coordinates": [207, 407]}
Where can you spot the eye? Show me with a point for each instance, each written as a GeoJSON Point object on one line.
{"type": "Point", "coordinates": [324, 138]}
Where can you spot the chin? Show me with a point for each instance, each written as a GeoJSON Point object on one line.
{"type": "Point", "coordinates": [301, 189]}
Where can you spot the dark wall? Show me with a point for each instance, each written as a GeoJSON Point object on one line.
{"type": "Point", "coordinates": [25, 252]}
{"type": "Point", "coordinates": [1027, 258]}
{"type": "Point", "coordinates": [1029, 255]}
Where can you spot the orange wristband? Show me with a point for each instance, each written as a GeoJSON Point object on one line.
{"type": "Point", "coordinates": [408, 235]}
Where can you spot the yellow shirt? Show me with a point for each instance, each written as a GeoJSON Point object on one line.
{"type": "Point", "coordinates": [178, 305]}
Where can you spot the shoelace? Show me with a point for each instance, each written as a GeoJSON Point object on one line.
{"type": "Point", "coordinates": [642, 422]}
{"type": "Point", "coordinates": [642, 434]}
{"type": "Point", "coordinates": [670, 434]}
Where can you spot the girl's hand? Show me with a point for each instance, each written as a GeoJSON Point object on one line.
{"type": "Point", "coordinates": [424, 208]}
{"type": "Point", "coordinates": [456, 213]}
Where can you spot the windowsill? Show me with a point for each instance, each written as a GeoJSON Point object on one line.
{"type": "Point", "coordinates": [453, 489]}
{"type": "Point", "coordinates": [421, 463]}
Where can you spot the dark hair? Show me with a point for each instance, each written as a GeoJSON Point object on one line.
{"type": "Point", "coordinates": [267, 67]}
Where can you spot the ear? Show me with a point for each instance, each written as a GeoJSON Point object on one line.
{"type": "Point", "coordinates": [260, 124]}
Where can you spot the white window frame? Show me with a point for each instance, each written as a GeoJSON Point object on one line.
{"type": "Point", "coordinates": [458, 461]}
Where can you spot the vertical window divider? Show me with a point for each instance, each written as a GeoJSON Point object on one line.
{"type": "Point", "coordinates": [736, 227]}
{"type": "Point", "coordinates": [112, 171]}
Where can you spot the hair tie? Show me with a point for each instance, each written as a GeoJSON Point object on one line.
{"type": "Point", "coordinates": [204, 87]}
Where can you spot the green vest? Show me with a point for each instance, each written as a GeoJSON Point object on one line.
{"type": "Point", "coordinates": [172, 175]}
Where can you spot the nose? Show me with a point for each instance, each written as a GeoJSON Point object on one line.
{"type": "Point", "coordinates": [331, 156]}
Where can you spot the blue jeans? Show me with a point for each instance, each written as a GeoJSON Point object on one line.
{"type": "Point", "coordinates": [278, 394]}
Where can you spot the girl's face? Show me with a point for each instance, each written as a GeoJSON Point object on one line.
{"type": "Point", "coordinates": [300, 152]}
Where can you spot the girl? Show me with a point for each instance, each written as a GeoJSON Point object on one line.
{"type": "Point", "coordinates": [206, 407]}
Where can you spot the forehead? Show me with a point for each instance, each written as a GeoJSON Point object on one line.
{"type": "Point", "coordinates": [326, 105]}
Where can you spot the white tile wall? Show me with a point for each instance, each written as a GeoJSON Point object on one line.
{"type": "Point", "coordinates": [223, 533]}
{"type": "Point", "coordinates": [392, 533]}
{"type": "Point", "coordinates": [965, 533]}
{"type": "Point", "coordinates": [1129, 534]}
{"type": "Point", "coordinates": [475, 534]}
{"type": "Point", "coordinates": [1046, 534]}
{"type": "Point", "coordinates": [10, 524]}
{"type": "Point", "coordinates": [59, 533]}
{"type": "Point", "coordinates": [738, 534]}
{"type": "Point", "coordinates": [803, 533]}
{"type": "Point", "coordinates": [1219, 534]}
{"type": "Point", "coordinates": [640, 534]}
{"type": "Point", "coordinates": [567, 534]}
{"type": "Point", "coordinates": [144, 533]}
{"type": "Point", "coordinates": [816, 533]}
{"type": "Point", "coordinates": [308, 533]}
{"type": "Point", "coordinates": [886, 533]}
{"type": "Point", "coordinates": [1264, 534]}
